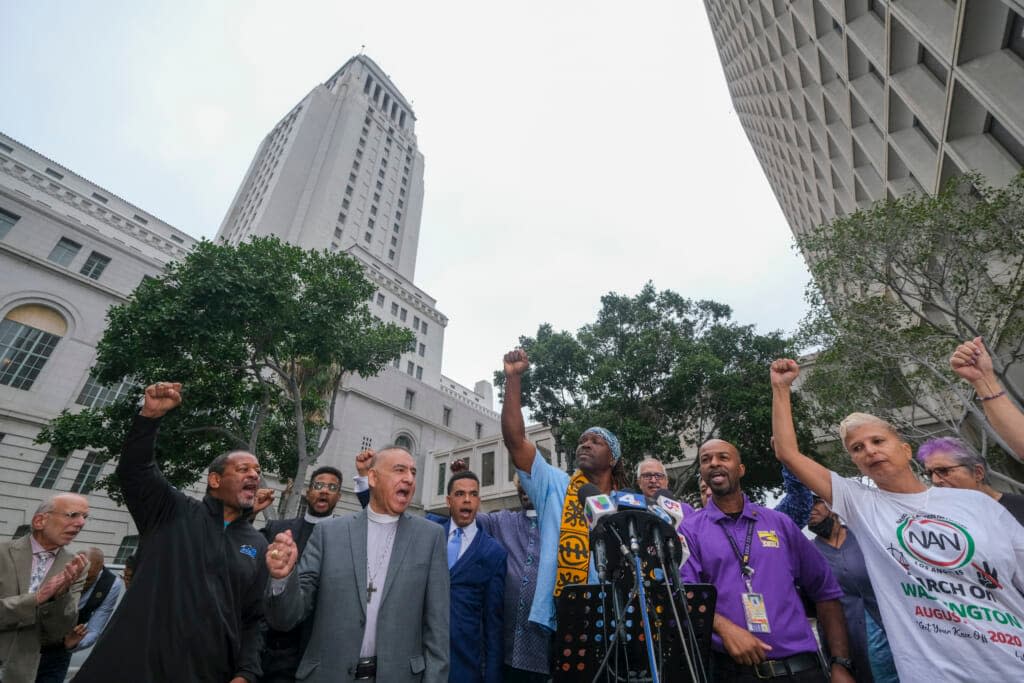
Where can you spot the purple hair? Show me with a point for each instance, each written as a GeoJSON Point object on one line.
{"type": "Point", "coordinates": [955, 448]}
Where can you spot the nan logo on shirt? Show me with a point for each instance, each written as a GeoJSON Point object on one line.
{"type": "Point", "coordinates": [936, 541]}
{"type": "Point", "coordinates": [769, 539]}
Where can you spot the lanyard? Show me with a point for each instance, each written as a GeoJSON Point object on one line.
{"type": "Point", "coordinates": [744, 557]}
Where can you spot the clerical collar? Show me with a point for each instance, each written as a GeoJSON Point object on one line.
{"type": "Point", "coordinates": [313, 519]}
{"type": "Point", "coordinates": [381, 518]}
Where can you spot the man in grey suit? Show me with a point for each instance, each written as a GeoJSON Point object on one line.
{"type": "Point", "coordinates": [383, 611]}
{"type": "Point", "coordinates": [40, 583]}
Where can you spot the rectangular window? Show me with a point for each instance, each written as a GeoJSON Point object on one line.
{"type": "Point", "coordinates": [95, 265]}
{"type": "Point", "coordinates": [376, 196]}
{"type": "Point", "coordinates": [337, 232]}
{"type": "Point", "coordinates": [424, 328]}
{"type": "Point", "coordinates": [95, 395]}
{"type": "Point", "coordinates": [381, 173]}
{"type": "Point", "coordinates": [370, 222]}
{"type": "Point", "coordinates": [397, 227]}
{"type": "Point", "coordinates": [380, 300]}
{"type": "Point", "coordinates": [100, 198]}
{"type": "Point", "coordinates": [345, 203]}
{"type": "Point", "coordinates": [440, 478]}
{"type": "Point", "coordinates": [380, 185]}
{"type": "Point", "coordinates": [410, 399]}
{"type": "Point", "coordinates": [140, 219]}
{"type": "Point", "coordinates": [352, 177]}
{"type": "Point", "coordinates": [391, 254]}
{"type": "Point", "coordinates": [446, 416]}
{"type": "Point", "coordinates": [7, 221]}
{"type": "Point", "coordinates": [64, 251]}
{"type": "Point", "coordinates": [367, 238]}
{"type": "Point", "coordinates": [410, 368]}
{"type": "Point", "coordinates": [402, 315]}
{"type": "Point", "coordinates": [373, 210]}
{"type": "Point", "coordinates": [24, 351]}
{"type": "Point", "coordinates": [479, 430]}
{"type": "Point", "coordinates": [348, 190]}
{"type": "Point", "coordinates": [423, 349]}
{"type": "Point", "coordinates": [487, 469]}
{"type": "Point", "coordinates": [129, 544]}
{"type": "Point", "coordinates": [419, 372]}
{"type": "Point", "coordinates": [367, 442]}
{"type": "Point", "coordinates": [54, 174]}
{"type": "Point", "coordinates": [415, 322]}
{"type": "Point", "coordinates": [394, 241]}
{"type": "Point", "coordinates": [394, 308]}
{"type": "Point", "coordinates": [49, 469]}
{"type": "Point", "coordinates": [88, 474]}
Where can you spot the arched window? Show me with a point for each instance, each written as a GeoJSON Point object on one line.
{"type": "Point", "coordinates": [28, 335]}
{"type": "Point", "coordinates": [405, 442]}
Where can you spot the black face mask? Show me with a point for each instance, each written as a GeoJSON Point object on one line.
{"type": "Point", "coordinates": [824, 527]}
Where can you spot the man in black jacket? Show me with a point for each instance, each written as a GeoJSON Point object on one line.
{"type": "Point", "coordinates": [193, 612]}
{"type": "Point", "coordinates": [283, 649]}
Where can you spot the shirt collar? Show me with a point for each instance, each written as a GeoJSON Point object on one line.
{"type": "Point", "coordinates": [36, 548]}
{"type": "Point", "coordinates": [313, 519]}
{"type": "Point", "coordinates": [468, 530]}
{"type": "Point", "coordinates": [379, 517]}
{"type": "Point", "coordinates": [716, 515]}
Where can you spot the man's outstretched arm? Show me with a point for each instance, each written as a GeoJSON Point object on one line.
{"type": "Point", "coordinates": [513, 429]}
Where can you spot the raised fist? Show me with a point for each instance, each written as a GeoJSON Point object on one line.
{"type": "Point", "coordinates": [516, 363]}
{"type": "Point", "coordinates": [281, 555]}
{"type": "Point", "coordinates": [264, 497]}
{"type": "Point", "coordinates": [161, 398]}
{"type": "Point", "coordinates": [363, 460]}
{"type": "Point", "coordinates": [971, 361]}
{"type": "Point", "coordinates": [784, 372]}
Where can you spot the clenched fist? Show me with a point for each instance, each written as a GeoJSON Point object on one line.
{"type": "Point", "coordinates": [363, 460]}
{"type": "Point", "coordinates": [784, 372]}
{"type": "Point", "coordinates": [281, 555]}
{"type": "Point", "coordinates": [161, 398]}
{"type": "Point", "coordinates": [516, 363]}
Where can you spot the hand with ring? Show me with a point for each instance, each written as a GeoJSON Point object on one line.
{"type": "Point", "coordinates": [281, 555]}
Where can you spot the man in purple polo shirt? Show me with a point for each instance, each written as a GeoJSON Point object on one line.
{"type": "Point", "coordinates": [756, 558]}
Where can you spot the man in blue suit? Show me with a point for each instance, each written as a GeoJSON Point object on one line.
{"type": "Point", "coordinates": [476, 564]}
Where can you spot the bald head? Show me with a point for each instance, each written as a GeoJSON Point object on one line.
{"type": "Point", "coordinates": [721, 467]}
{"type": "Point", "coordinates": [58, 519]}
{"type": "Point", "coordinates": [712, 445]}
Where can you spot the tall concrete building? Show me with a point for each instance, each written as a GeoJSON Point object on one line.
{"type": "Point", "coordinates": [846, 102]}
{"type": "Point", "coordinates": [69, 250]}
{"type": "Point", "coordinates": [342, 171]}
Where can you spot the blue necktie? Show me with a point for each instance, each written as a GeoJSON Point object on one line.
{"type": "Point", "coordinates": [454, 546]}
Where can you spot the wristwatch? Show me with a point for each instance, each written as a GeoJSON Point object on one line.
{"type": "Point", "coordinates": [844, 662]}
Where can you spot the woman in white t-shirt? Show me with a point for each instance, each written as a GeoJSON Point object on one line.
{"type": "Point", "coordinates": [947, 565]}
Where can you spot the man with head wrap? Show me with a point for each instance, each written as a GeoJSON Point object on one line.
{"type": "Point", "coordinates": [564, 537]}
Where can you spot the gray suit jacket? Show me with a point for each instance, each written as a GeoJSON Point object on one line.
{"type": "Point", "coordinates": [329, 587]}
{"type": "Point", "coordinates": [24, 625]}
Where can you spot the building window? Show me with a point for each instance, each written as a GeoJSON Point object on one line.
{"type": "Point", "coordinates": [367, 238]}
{"type": "Point", "coordinates": [410, 399]}
{"type": "Point", "coordinates": [64, 251]}
{"type": "Point", "coordinates": [370, 222]}
{"type": "Point", "coordinates": [352, 177]}
{"type": "Point", "coordinates": [376, 196]}
{"type": "Point", "coordinates": [397, 227]}
{"type": "Point", "coordinates": [95, 395]}
{"type": "Point", "coordinates": [49, 469]}
{"type": "Point", "coordinates": [95, 265]}
{"type": "Point", "coordinates": [7, 221]}
{"type": "Point", "coordinates": [440, 478]}
{"type": "Point", "coordinates": [479, 430]}
{"type": "Point", "coordinates": [345, 204]}
{"type": "Point", "coordinates": [348, 191]}
{"type": "Point", "coordinates": [394, 241]}
{"type": "Point", "coordinates": [415, 322]}
{"type": "Point", "coordinates": [394, 308]}
{"type": "Point", "coordinates": [424, 328]}
{"type": "Point", "coordinates": [28, 336]}
{"type": "Point", "coordinates": [391, 254]}
{"type": "Point", "coordinates": [423, 349]}
{"type": "Point", "coordinates": [446, 416]}
{"type": "Point", "coordinates": [373, 210]}
{"type": "Point", "coordinates": [380, 185]}
{"type": "Point", "coordinates": [88, 474]}
{"type": "Point", "coordinates": [410, 368]}
{"type": "Point", "coordinates": [1015, 34]}
{"type": "Point", "coordinates": [129, 544]}
{"type": "Point", "coordinates": [22, 530]}
{"type": "Point", "coordinates": [380, 300]}
{"type": "Point", "coordinates": [403, 314]}
{"type": "Point", "coordinates": [487, 469]}
{"type": "Point", "coordinates": [419, 372]}
{"type": "Point", "coordinates": [367, 442]}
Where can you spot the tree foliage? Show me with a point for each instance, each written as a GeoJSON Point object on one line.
{"type": "Point", "coordinates": [897, 287]}
{"type": "Point", "coordinates": [662, 372]}
{"type": "Point", "coordinates": [262, 336]}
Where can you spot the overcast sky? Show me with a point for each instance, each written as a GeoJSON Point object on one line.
{"type": "Point", "coordinates": [572, 148]}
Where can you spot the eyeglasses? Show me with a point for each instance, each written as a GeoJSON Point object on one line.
{"type": "Point", "coordinates": [71, 515]}
{"type": "Point", "coordinates": [652, 476]}
{"type": "Point", "coordinates": [942, 472]}
{"type": "Point", "coordinates": [321, 485]}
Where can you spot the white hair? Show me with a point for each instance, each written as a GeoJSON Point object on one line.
{"type": "Point", "coordinates": [647, 460]}
{"type": "Point", "coordinates": [858, 420]}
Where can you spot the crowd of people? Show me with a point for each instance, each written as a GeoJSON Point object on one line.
{"type": "Point", "coordinates": [899, 578]}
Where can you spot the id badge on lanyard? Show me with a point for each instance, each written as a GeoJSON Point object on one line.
{"type": "Point", "coordinates": [753, 603]}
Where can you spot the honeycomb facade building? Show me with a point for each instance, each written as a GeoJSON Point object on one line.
{"type": "Point", "coordinates": [847, 102]}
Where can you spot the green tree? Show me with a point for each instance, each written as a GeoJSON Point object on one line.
{"type": "Point", "coordinates": [897, 287]}
{"type": "Point", "coordinates": [262, 336]}
{"type": "Point", "coordinates": [662, 372]}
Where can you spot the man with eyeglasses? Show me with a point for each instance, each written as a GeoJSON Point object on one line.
{"type": "Point", "coordinates": [282, 650]}
{"type": "Point", "coordinates": [40, 583]}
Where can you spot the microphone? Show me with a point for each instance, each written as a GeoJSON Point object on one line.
{"type": "Point", "coordinates": [671, 506]}
{"type": "Point", "coordinates": [597, 507]}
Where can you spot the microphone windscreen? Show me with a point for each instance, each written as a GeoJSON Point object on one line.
{"type": "Point", "coordinates": [586, 491]}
